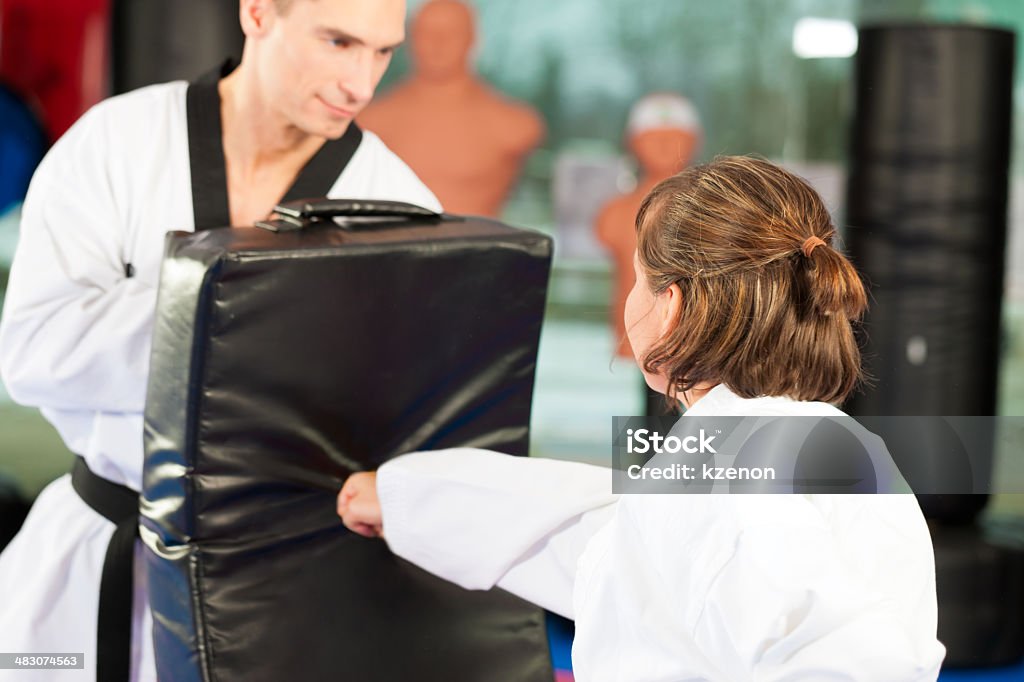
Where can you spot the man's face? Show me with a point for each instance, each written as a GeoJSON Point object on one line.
{"type": "Point", "coordinates": [320, 62]}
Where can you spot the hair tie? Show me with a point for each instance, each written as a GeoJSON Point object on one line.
{"type": "Point", "coordinates": [810, 243]}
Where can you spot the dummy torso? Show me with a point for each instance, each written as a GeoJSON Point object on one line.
{"type": "Point", "coordinates": [466, 141]}
{"type": "Point", "coordinates": [615, 231]}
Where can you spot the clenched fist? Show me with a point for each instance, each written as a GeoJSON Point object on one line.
{"type": "Point", "coordinates": [359, 506]}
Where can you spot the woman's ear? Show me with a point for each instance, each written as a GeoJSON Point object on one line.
{"type": "Point", "coordinates": [670, 303]}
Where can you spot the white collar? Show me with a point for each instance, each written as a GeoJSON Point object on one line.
{"type": "Point", "coordinates": [720, 401]}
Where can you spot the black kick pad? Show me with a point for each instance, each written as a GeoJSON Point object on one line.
{"type": "Point", "coordinates": [281, 363]}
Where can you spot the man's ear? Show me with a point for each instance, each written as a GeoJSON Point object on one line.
{"type": "Point", "coordinates": [256, 16]}
{"type": "Point", "coordinates": [671, 304]}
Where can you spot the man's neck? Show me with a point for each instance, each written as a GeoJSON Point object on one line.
{"type": "Point", "coordinates": [255, 135]}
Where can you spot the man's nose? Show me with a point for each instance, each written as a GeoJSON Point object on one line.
{"type": "Point", "coordinates": [359, 78]}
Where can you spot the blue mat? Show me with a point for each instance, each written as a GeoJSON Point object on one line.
{"type": "Point", "coordinates": [560, 633]}
{"type": "Point", "coordinates": [1014, 673]}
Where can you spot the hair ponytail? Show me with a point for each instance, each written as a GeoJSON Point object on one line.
{"type": "Point", "coordinates": [833, 286]}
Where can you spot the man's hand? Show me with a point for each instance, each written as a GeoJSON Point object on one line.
{"type": "Point", "coordinates": [359, 506]}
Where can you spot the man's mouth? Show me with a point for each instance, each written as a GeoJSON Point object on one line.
{"type": "Point", "coordinates": [338, 112]}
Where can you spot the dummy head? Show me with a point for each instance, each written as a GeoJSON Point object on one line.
{"type": "Point", "coordinates": [316, 63]}
{"type": "Point", "coordinates": [734, 287]}
{"type": "Point", "coordinates": [442, 37]}
{"type": "Point", "coordinates": [662, 133]}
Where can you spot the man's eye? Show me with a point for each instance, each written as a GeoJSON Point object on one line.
{"type": "Point", "coordinates": [339, 42]}
{"type": "Point", "coordinates": [386, 51]}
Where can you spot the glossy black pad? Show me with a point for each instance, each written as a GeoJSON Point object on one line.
{"type": "Point", "coordinates": [281, 363]}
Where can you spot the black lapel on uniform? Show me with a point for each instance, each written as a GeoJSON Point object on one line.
{"type": "Point", "coordinates": [206, 156]}
{"type": "Point", "coordinates": [206, 151]}
{"type": "Point", "coordinates": [322, 171]}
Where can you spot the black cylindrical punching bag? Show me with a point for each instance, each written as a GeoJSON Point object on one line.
{"type": "Point", "coordinates": [156, 41]}
{"type": "Point", "coordinates": [926, 210]}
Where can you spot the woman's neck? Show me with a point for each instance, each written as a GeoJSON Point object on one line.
{"type": "Point", "coordinates": [688, 398]}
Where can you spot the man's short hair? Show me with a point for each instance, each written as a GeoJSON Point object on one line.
{"type": "Point", "coordinates": [282, 6]}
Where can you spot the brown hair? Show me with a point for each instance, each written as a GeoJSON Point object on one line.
{"type": "Point", "coordinates": [766, 309]}
{"type": "Point", "coordinates": [283, 6]}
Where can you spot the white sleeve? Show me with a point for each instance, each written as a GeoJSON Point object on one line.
{"type": "Point", "coordinates": [786, 606]}
{"type": "Point", "coordinates": [409, 188]}
{"type": "Point", "coordinates": [482, 519]}
{"type": "Point", "coordinates": [75, 333]}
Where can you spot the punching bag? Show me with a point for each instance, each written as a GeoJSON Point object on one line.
{"type": "Point", "coordinates": [927, 204]}
{"type": "Point", "coordinates": [53, 54]}
{"type": "Point", "coordinates": [13, 510]}
{"type": "Point", "coordinates": [22, 145]}
{"type": "Point", "coordinates": [156, 41]}
{"type": "Point", "coordinates": [926, 209]}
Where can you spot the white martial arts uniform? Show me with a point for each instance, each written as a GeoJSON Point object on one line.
{"type": "Point", "coordinates": [681, 587]}
{"type": "Point", "coordinates": [75, 341]}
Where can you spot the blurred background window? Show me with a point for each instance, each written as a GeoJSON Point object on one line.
{"type": "Point", "coordinates": [770, 78]}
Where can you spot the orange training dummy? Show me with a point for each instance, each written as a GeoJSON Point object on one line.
{"type": "Point", "coordinates": [662, 133]}
{"type": "Point", "coordinates": [465, 141]}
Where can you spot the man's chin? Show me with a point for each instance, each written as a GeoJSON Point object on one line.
{"type": "Point", "coordinates": [331, 131]}
{"type": "Point", "coordinates": [335, 131]}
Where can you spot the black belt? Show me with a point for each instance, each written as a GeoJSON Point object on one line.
{"type": "Point", "coordinates": [119, 504]}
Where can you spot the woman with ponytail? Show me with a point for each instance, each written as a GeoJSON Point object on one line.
{"type": "Point", "coordinates": [742, 307]}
